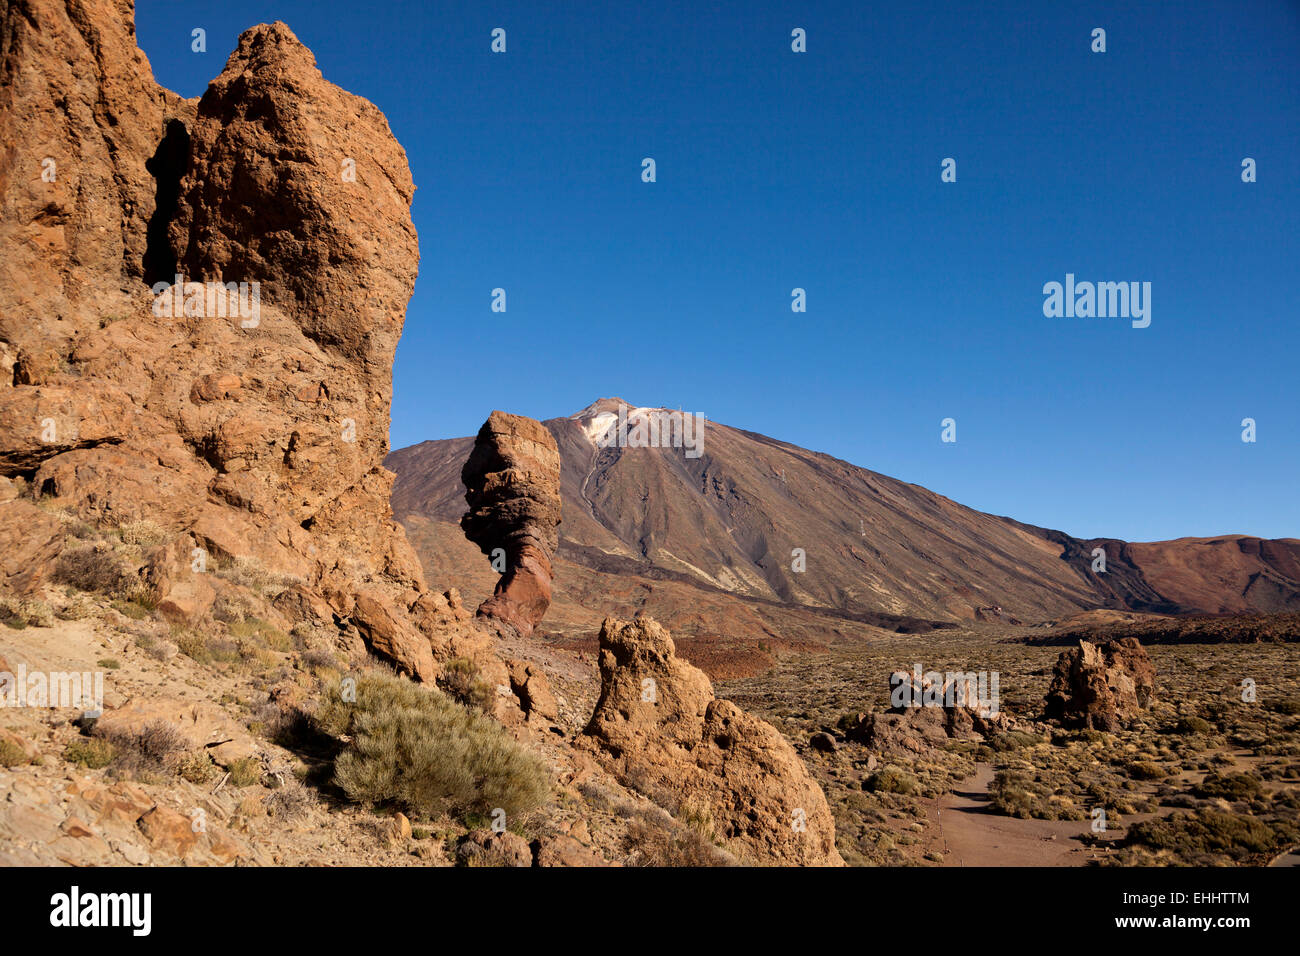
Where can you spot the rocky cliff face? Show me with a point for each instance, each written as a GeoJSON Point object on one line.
{"type": "Point", "coordinates": [247, 421]}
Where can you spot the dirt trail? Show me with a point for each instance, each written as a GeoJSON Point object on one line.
{"type": "Point", "coordinates": [973, 835]}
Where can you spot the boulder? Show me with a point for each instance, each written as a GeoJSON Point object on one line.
{"type": "Point", "coordinates": [388, 632]}
{"type": "Point", "coordinates": [528, 683]}
{"type": "Point", "coordinates": [30, 541]}
{"type": "Point", "coordinates": [488, 848]}
{"type": "Point", "coordinates": [1101, 686]}
{"type": "Point", "coordinates": [562, 850]}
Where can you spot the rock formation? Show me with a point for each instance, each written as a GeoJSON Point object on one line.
{"type": "Point", "coordinates": [1101, 686]}
{"type": "Point", "coordinates": [253, 426]}
{"type": "Point", "coordinates": [512, 486]}
{"type": "Point", "coordinates": [926, 712]}
{"type": "Point", "coordinates": [658, 726]}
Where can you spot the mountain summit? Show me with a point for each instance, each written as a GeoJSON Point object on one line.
{"type": "Point", "coordinates": [772, 525]}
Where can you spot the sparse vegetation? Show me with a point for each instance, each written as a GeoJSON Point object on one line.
{"type": "Point", "coordinates": [11, 754]}
{"type": "Point", "coordinates": [93, 753]}
{"type": "Point", "coordinates": [460, 678]}
{"type": "Point", "coordinates": [891, 779]}
{"type": "Point", "coordinates": [1206, 837]}
{"type": "Point", "coordinates": [245, 772]}
{"type": "Point", "coordinates": [94, 568]}
{"type": "Point", "coordinates": [21, 613]}
{"type": "Point", "coordinates": [421, 750]}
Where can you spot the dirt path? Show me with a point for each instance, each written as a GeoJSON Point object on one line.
{"type": "Point", "coordinates": [971, 834]}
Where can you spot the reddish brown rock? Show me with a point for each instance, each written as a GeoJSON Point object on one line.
{"type": "Point", "coordinates": [529, 684]}
{"type": "Point", "coordinates": [30, 540]}
{"type": "Point", "coordinates": [1101, 686]}
{"type": "Point", "coordinates": [169, 832]}
{"type": "Point", "coordinates": [658, 723]}
{"type": "Point", "coordinates": [183, 594]}
{"type": "Point", "coordinates": [256, 434]}
{"type": "Point", "coordinates": [561, 850]}
{"type": "Point", "coordinates": [212, 388]}
{"type": "Point", "coordinates": [512, 487]}
{"type": "Point", "coordinates": [391, 635]}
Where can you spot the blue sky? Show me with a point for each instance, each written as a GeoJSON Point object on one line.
{"type": "Point", "coordinates": [821, 170]}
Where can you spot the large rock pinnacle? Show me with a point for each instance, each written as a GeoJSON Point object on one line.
{"type": "Point", "coordinates": [512, 486]}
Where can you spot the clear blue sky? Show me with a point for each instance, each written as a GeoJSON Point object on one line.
{"type": "Point", "coordinates": [822, 171]}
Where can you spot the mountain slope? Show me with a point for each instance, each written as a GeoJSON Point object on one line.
{"type": "Point", "coordinates": [877, 549]}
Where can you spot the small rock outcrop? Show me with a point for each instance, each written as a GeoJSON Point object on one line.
{"type": "Point", "coordinates": [1101, 686]}
{"type": "Point", "coordinates": [658, 726]}
{"type": "Point", "coordinates": [927, 711]}
{"type": "Point", "coordinates": [512, 487]}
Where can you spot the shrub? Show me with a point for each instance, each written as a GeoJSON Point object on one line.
{"type": "Point", "coordinates": [91, 569]}
{"type": "Point", "coordinates": [197, 767]}
{"type": "Point", "coordinates": [1146, 770]}
{"type": "Point", "coordinates": [1010, 740]}
{"type": "Point", "coordinates": [131, 609]}
{"type": "Point", "coordinates": [245, 772]}
{"type": "Point", "coordinates": [317, 659]}
{"type": "Point", "coordinates": [460, 678]}
{"type": "Point", "coordinates": [653, 838]}
{"type": "Point", "coordinates": [890, 780]}
{"type": "Point", "coordinates": [1193, 725]}
{"type": "Point", "coordinates": [257, 630]}
{"type": "Point", "coordinates": [1230, 786]}
{"type": "Point", "coordinates": [1199, 837]}
{"type": "Point", "coordinates": [143, 533]}
{"type": "Point", "coordinates": [19, 614]}
{"type": "Point", "coordinates": [156, 747]}
{"type": "Point", "coordinates": [421, 750]}
{"type": "Point", "coordinates": [11, 754]}
{"type": "Point", "coordinates": [90, 752]}
{"type": "Point", "coordinates": [192, 644]}
{"type": "Point", "coordinates": [290, 802]}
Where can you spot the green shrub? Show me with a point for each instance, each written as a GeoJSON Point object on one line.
{"type": "Point", "coordinates": [197, 767]}
{"type": "Point", "coordinates": [245, 772]}
{"type": "Point", "coordinates": [259, 631]}
{"type": "Point", "coordinates": [1193, 725]}
{"type": "Point", "coordinates": [12, 755]}
{"type": "Point", "coordinates": [1230, 786]}
{"type": "Point", "coordinates": [460, 678]}
{"type": "Point", "coordinates": [890, 780]}
{"type": "Point", "coordinates": [1146, 770]}
{"type": "Point", "coordinates": [1198, 838]}
{"type": "Point", "coordinates": [90, 752]}
{"type": "Point", "coordinates": [418, 748]}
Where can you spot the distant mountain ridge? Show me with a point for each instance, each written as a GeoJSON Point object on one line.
{"type": "Point", "coordinates": [877, 549]}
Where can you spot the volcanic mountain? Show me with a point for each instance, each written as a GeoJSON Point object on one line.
{"type": "Point", "coordinates": [714, 538]}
